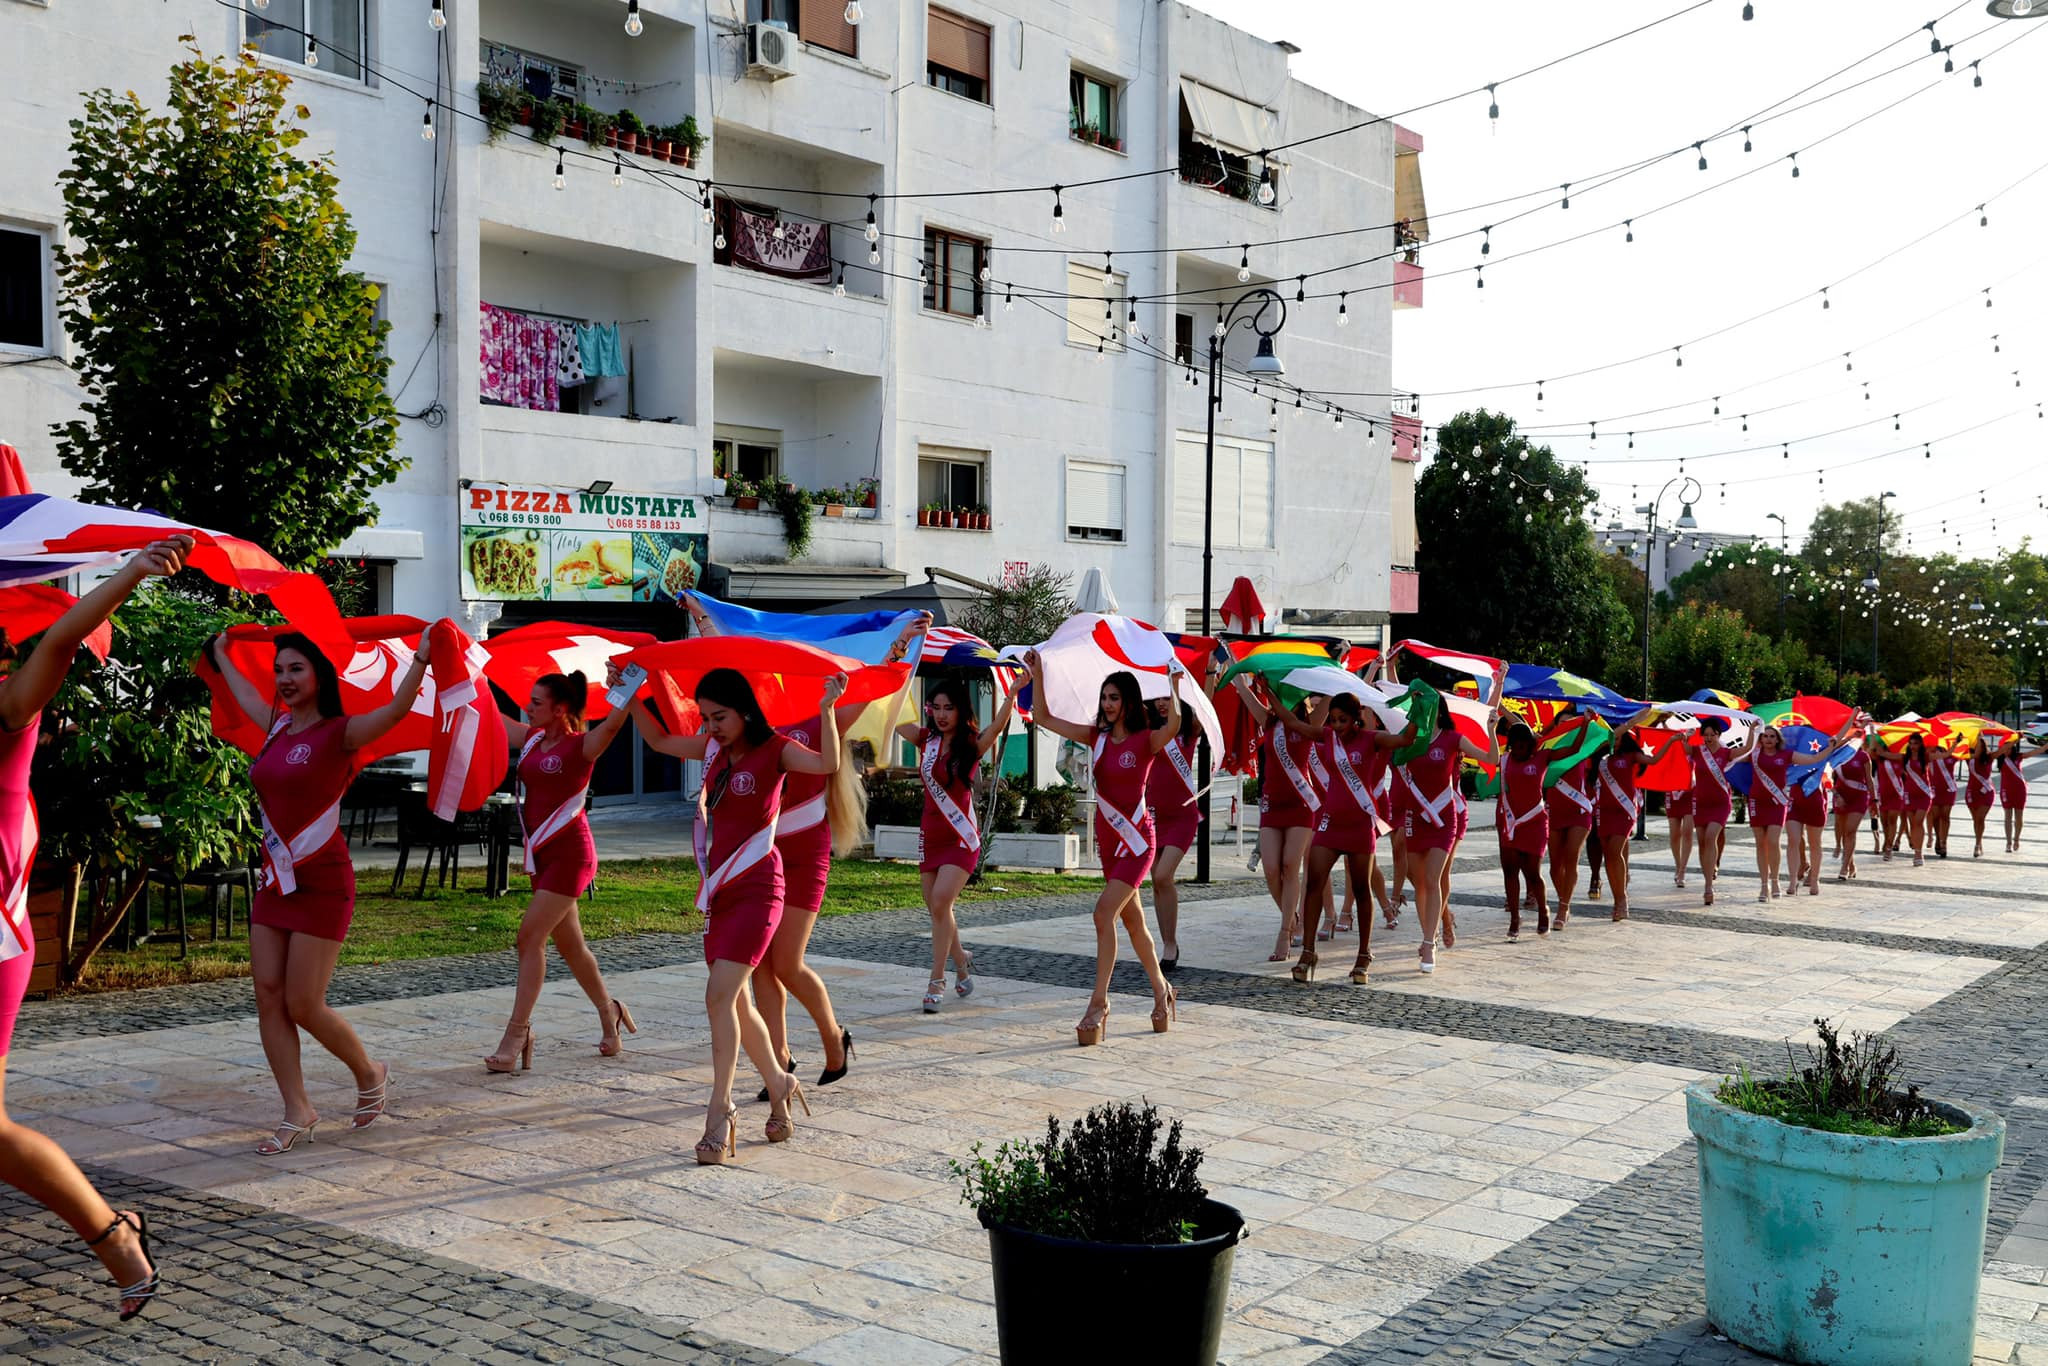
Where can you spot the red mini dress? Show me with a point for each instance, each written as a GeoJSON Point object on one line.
{"type": "Point", "coordinates": [1765, 809]}
{"type": "Point", "coordinates": [1982, 780]}
{"type": "Point", "coordinates": [560, 855]}
{"type": "Point", "coordinates": [1282, 805]}
{"type": "Point", "coordinates": [742, 800]}
{"type": "Point", "coordinates": [2012, 784]}
{"type": "Point", "coordinates": [1809, 804]}
{"type": "Point", "coordinates": [1617, 796]}
{"type": "Point", "coordinates": [1919, 784]}
{"type": "Point", "coordinates": [1890, 787]}
{"type": "Point", "coordinates": [17, 860]}
{"type": "Point", "coordinates": [1121, 769]}
{"type": "Point", "coordinates": [1431, 818]}
{"type": "Point", "coordinates": [804, 835]}
{"type": "Point", "coordinates": [941, 843]}
{"type": "Point", "coordinates": [1712, 800]}
{"type": "Point", "coordinates": [1852, 784]}
{"type": "Point", "coordinates": [1343, 823]}
{"type": "Point", "coordinates": [1170, 795]}
{"type": "Point", "coordinates": [1521, 814]}
{"type": "Point", "coordinates": [1941, 771]}
{"type": "Point", "coordinates": [299, 779]}
{"type": "Point", "coordinates": [1570, 800]}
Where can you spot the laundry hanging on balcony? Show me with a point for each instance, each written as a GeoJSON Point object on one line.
{"type": "Point", "coordinates": [802, 252]}
{"type": "Point", "coordinates": [598, 344]}
{"type": "Point", "coordinates": [521, 362]}
{"type": "Point", "coordinates": [569, 371]}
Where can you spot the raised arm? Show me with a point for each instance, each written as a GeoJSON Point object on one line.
{"type": "Point", "coordinates": [1737, 753]}
{"type": "Point", "coordinates": [992, 734]}
{"type": "Point", "coordinates": [1840, 738]}
{"type": "Point", "coordinates": [35, 680]}
{"type": "Point", "coordinates": [516, 730]}
{"type": "Point", "coordinates": [1394, 739]}
{"type": "Point", "coordinates": [1163, 736]}
{"type": "Point", "coordinates": [252, 702]}
{"type": "Point", "coordinates": [1671, 740]}
{"type": "Point", "coordinates": [825, 758]}
{"type": "Point", "coordinates": [371, 725]}
{"type": "Point", "coordinates": [659, 739]}
{"type": "Point", "coordinates": [1072, 730]}
{"type": "Point", "coordinates": [1260, 713]}
{"type": "Point", "coordinates": [599, 737]}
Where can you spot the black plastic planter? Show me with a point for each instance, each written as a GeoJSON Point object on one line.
{"type": "Point", "coordinates": [1161, 1304]}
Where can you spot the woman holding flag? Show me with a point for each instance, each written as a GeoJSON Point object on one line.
{"type": "Point", "coordinates": [1569, 803]}
{"type": "Point", "coordinates": [741, 894]}
{"type": "Point", "coordinates": [307, 894]}
{"type": "Point", "coordinates": [1620, 803]}
{"type": "Point", "coordinates": [29, 1162]}
{"type": "Point", "coordinates": [556, 756]}
{"type": "Point", "coordinates": [1770, 797]}
{"type": "Point", "coordinates": [1288, 803]}
{"type": "Point", "coordinates": [1171, 794]}
{"type": "Point", "coordinates": [1941, 769]}
{"type": "Point", "coordinates": [1124, 745]}
{"type": "Point", "coordinates": [1712, 798]}
{"type": "Point", "coordinates": [949, 749]}
{"type": "Point", "coordinates": [1521, 819]}
{"type": "Point", "coordinates": [1910, 794]}
{"type": "Point", "coordinates": [1980, 788]}
{"type": "Point", "coordinates": [1430, 774]}
{"type": "Point", "coordinates": [2012, 788]}
{"type": "Point", "coordinates": [1678, 828]}
{"type": "Point", "coordinates": [1855, 782]}
{"type": "Point", "coordinates": [1805, 822]}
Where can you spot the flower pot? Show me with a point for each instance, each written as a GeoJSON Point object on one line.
{"type": "Point", "coordinates": [575, 131]}
{"type": "Point", "coordinates": [981, 520]}
{"type": "Point", "coordinates": [680, 154]}
{"type": "Point", "coordinates": [867, 499]}
{"type": "Point", "coordinates": [523, 117]}
{"type": "Point", "coordinates": [923, 518]}
{"type": "Point", "coordinates": [644, 144]}
{"type": "Point", "coordinates": [1114, 144]}
{"type": "Point", "coordinates": [611, 139]}
{"type": "Point", "coordinates": [746, 504]}
{"type": "Point", "coordinates": [835, 509]}
{"type": "Point", "coordinates": [1836, 1248]}
{"type": "Point", "coordinates": [661, 149]}
{"type": "Point", "coordinates": [1102, 1283]}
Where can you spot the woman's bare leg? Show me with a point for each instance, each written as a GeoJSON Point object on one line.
{"type": "Point", "coordinates": [1166, 900]}
{"type": "Point", "coordinates": [1616, 848]}
{"type": "Point", "coordinates": [1426, 872]}
{"type": "Point", "coordinates": [1711, 837]}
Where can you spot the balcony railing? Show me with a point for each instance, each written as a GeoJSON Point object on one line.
{"type": "Point", "coordinates": [1228, 175]}
{"type": "Point", "coordinates": [759, 237]}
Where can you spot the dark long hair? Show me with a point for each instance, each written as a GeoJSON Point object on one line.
{"type": "Point", "coordinates": [729, 688]}
{"type": "Point", "coordinates": [1916, 747]}
{"type": "Point", "coordinates": [1347, 706]}
{"type": "Point", "coordinates": [1520, 737]}
{"type": "Point", "coordinates": [1444, 720]}
{"type": "Point", "coordinates": [1136, 715]}
{"type": "Point", "coordinates": [570, 690]}
{"type": "Point", "coordinates": [326, 681]}
{"type": "Point", "coordinates": [964, 753]}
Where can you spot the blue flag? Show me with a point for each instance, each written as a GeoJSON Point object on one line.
{"type": "Point", "coordinates": [865, 636]}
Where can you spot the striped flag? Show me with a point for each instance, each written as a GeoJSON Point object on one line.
{"type": "Point", "coordinates": [1459, 661]}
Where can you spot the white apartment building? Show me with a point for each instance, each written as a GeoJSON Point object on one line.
{"type": "Point", "coordinates": [1673, 553]}
{"type": "Point", "coordinates": [1080, 435]}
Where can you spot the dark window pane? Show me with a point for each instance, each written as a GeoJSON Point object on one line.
{"type": "Point", "coordinates": [21, 289]}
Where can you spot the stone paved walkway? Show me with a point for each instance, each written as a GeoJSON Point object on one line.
{"type": "Point", "coordinates": [1487, 1164]}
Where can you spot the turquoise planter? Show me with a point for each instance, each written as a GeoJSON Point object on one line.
{"type": "Point", "coordinates": [1831, 1248]}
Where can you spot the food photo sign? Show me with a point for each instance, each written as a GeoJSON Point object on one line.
{"type": "Point", "coordinates": [542, 543]}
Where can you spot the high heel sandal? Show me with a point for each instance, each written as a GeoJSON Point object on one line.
{"type": "Point", "coordinates": [713, 1154]}
{"type": "Point", "coordinates": [934, 994]}
{"type": "Point", "coordinates": [142, 1291]}
{"type": "Point", "coordinates": [1303, 971]}
{"type": "Point", "coordinates": [274, 1145]}
{"type": "Point", "coordinates": [963, 978]}
{"type": "Point", "coordinates": [779, 1130]}
{"type": "Point", "coordinates": [788, 1065]}
{"type": "Point", "coordinates": [611, 1045]}
{"type": "Point", "coordinates": [1164, 1016]}
{"type": "Point", "coordinates": [524, 1055]}
{"type": "Point", "coordinates": [1358, 969]}
{"type": "Point", "coordinates": [1088, 1035]}
{"type": "Point", "coordinates": [832, 1074]}
{"type": "Point", "coordinates": [370, 1104]}
{"type": "Point", "coordinates": [1426, 964]}
{"type": "Point", "coordinates": [1450, 929]}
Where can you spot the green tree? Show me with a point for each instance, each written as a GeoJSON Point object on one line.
{"type": "Point", "coordinates": [233, 365]}
{"type": "Point", "coordinates": [1843, 535]}
{"type": "Point", "coordinates": [1506, 558]}
{"type": "Point", "coordinates": [1700, 646]}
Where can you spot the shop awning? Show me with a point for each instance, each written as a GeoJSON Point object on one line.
{"type": "Point", "coordinates": [755, 585]}
{"type": "Point", "coordinates": [946, 602]}
{"type": "Point", "coordinates": [1228, 123]}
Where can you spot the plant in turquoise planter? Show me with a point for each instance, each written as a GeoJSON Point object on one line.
{"type": "Point", "coordinates": [1842, 1214]}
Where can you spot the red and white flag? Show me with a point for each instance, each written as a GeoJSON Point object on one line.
{"type": "Point", "coordinates": [515, 659]}
{"type": "Point", "coordinates": [1088, 647]}
{"type": "Point", "coordinates": [29, 609]}
{"type": "Point", "coordinates": [1460, 661]}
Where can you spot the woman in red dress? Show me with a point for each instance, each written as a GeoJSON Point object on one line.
{"type": "Point", "coordinates": [1170, 795]}
{"type": "Point", "coordinates": [1678, 828]}
{"type": "Point", "coordinates": [1521, 818]}
{"type": "Point", "coordinates": [1770, 797]}
{"type": "Point", "coordinates": [1941, 769]}
{"type": "Point", "coordinates": [1805, 822]}
{"type": "Point", "coordinates": [1432, 818]}
{"type": "Point", "coordinates": [1615, 772]}
{"type": "Point", "coordinates": [30, 1162]}
{"type": "Point", "coordinates": [1980, 788]}
{"type": "Point", "coordinates": [741, 889]}
{"type": "Point", "coordinates": [1568, 800]}
{"type": "Point", "coordinates": [1288, 803]}
{"type": "Point", "coordinates": [1854, 779]}
{"type": "Point", "coordinates": [2012, 788]}
{"type": "Point", "coordinates": [556, 755]}
{"type": "Point", "coordinates": [1124, 744]}
{"type": "Point", "coordinates": [307, 893]}
{"type": "Point", "coordinates": [1712, 798]}
{"type": "Point", "coordinates": [1350, 754]}
{"type": "Point", "coordinates": [949, 749]}
{"type": "Point", "coordinates": [1909, 793]}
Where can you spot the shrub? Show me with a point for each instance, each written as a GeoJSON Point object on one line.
{"type": "Point", "coordinates": [1101, 1181]}
{"type": "Point", "coordinates": [894, 801]}
{"type": "Point", "coordinates": [1844, 1089]}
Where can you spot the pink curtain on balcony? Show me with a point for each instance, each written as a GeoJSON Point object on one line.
{"type": "Point", "coordinates": [520, 360]}
{"type": "Point", "coordinates": [804, 253]}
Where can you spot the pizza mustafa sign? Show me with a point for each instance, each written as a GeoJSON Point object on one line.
{"type": "Point", "coordinates": [540, 543]}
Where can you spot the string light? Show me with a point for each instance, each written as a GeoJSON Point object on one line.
{"type": "Point", "coordinates": [618, 170]}
{"type": "Point", "coordinates": [1748, 12]}
{"type": "Point", "coordinates": [1567, 188]}
{"type": "Point", "coordinates": [633, 24]}
{"type": "Point", "coordinates": [1343, 314]}
{"type": "Point", "coordinates": [1794, 158]}
{"type": "Point", "coordinates": [1933, 42]}
{"type": "Point", "coordinates": [1745, 138]}
{"type": "Point", "coordinates": [1679, 353]}
{"type": "Point", "coordinates": [1630, 225]}
{"type": "Point", "coordinates": [1976, 76]}
{"type": "Point", "coordinates": [1994, 343]}
{"type": "Point", "coordinates": [1492, 108]}
{"type": "Point", "coordinates": [1486, 240]}
{"type": "Point", "coordinates": [312, 50]}
{"type": "Point", "coordinates": [1300, 289]}
{"type": "Point", "coordinates": [1824, 298]}
{"type": "Point", "coordinates": [1703, 155]}
{"type": "Point", "coordinates": [874, 230]}
{"type": "Point", "coordinates": [1009, 304]}
{"type": "Point", "coordinates": [704, 202]}
{"type": "Point", "coordinates": [1244, 264]}
{"type": "Point", "coordinates": [839, 285]}
{"type": "Point", "coordinates": [874, 254]}
{"type": "Point", "coordinates": [561, 182]}
{"type": "Point", "coordinates": [1059, 211]}
{"type": "Point", "coordinates": [853, 13]}
{"type": "Point", "coordinates": [1266, 191]}
{"type": "Point", "coordinates": [437, 18]}
{"type": "Point", "coordinates": [427, 123]}
{"type": "Point", "coordinates": [1948, 64]}
{"type": "Point", "coordinates": [260, 5]}
{"type": "Point", "coordinates": [1479, 276]}
{"type": "Point", "coordinates": [1847, 364]}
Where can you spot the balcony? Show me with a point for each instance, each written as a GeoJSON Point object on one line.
{"type": "Point", "coordinates": [1411, 217]}
{"type": "Point", "coordinates": [1405, 418]}
{"type": "Point", "coordinates": [790, 421]}
{"type": "Point", "coordinates": [834, 94]}
{"type": "Point", "coordinates": [1222, 146]}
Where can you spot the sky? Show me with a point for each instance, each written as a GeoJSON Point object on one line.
{"type": "Point", "coordinates": [1905, 322]}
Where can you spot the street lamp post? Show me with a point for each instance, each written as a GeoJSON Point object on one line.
{"type": "Point", "coordinates": [1264, 365]}
{"type": "Point", "coordinates": [1689, 492]}
{"type": "Point", "coordinates": [1876, 576]}
{"type": "Point", "coordinates": [1779, 518]}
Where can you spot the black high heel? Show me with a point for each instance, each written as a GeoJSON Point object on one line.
{"type": "Point", "coordinates": [832, 1074]}
{"type": "Point", "coordinates": [142, 1291]}
{"type": "Point", "coordinates": [789, 1067]}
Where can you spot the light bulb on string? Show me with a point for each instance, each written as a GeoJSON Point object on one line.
{"type": "Point", "coordinates": [1983, 218]}
{"type": "Point", "coordinates": [437, 18]}
{"type": "Point", "coordinates": [1976, 75]}
{"type": "Point", "coordinates": [1059, 211]}
{"type": "Point", "coordinates": [1745, 424]}
{"type": "Point", "coordinates": [704, 203]}
{"type": "Point", "coordinates": [1717, 410]}
{"type": "Point", "coordinates": [839, 285]}
{"type": "Point", "coordinates": [1987, 296]}
{"type": "Point", "coordinates": [1847, 364]}
{"type": "Point", "coordinates": [633, 24]}
{"type": "Point", "coordinates": [1479, 277]}
{"type": "Point", "coordinates": [1300, 289]}
{"type": "Point", "coordinates": [427, 123]}
{"type": "Point", "coordinates": [852, 13]}
{"type": "Point", "coordinates": [984, 273]}
{"type": "Point", "coordinates": [1492, 107]}
{"type": "Point", "coordinates": [561, 182]}
{"type": "Point", "coordinates": [1745, 137]}
{"type": "Point", "coordinates": [873, 231]}
{"type": "Point", "coordinates": [719, 243]}
{"type": "Point", "coordinates": [1679, 353]}
{"type": "Point", "coordinates": [1895, 422]}
{"type": "Point", "coordinates": [1793, 157]}
{"type": "Point", "coordinates": [1824, 298]}
{"type": "Point", "coordinates": [1567, 188]}
{"type": "Point", "coordinates": [1273, 421]}
{"type": "Point", "coordinates": [1244, 265]}
{"type": "Point", "coordinates": [312, 50]}
{"type": "Point", "coordinates": [1267, 192]}
{"type": "Point", "coordinates": [1343, 313]}
{"type": "Point", "coordinates": [1539, 397]}
{"type": "Point", "coordinates": [1933, 40]}
{"type": "Point", "coordinates": [780, 233]}
{"type": "Point", "coordinates": [1629, 225]}
{"type": "Point", "coordinates": [1703, 155]}
{"type": "Point", "coordinates": [1994, 343]}
{"type": "Point", "coordinates": [1866, 391]}
{"type": "Point", "coordinates": [1748, 12]}
{"type": "Point", "coordinates": [1486, 241]}
{"type": "Point", "coordinates": [874, 255]}
{"type": "Point", "coordinates": [1948, 64]}
{"type": "Point", "coordinates": [618, 170]}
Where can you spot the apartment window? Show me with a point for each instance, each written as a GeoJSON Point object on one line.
{"type": "Point", "coordinates": [821, 23]}
{"type": "Point", "coordinates": [1095, 501]}
{"type": "Point", "coordinates": [951, 478]}
{"type": "Point", "coordinates": [24, 290]}
{"type": "Point", "coordinates": [1242, 510]}
{"type": "Point", "coordinates": [750, 453]}
{"type": "Point", "coordinates": [952, 265]}
{"type": "Point", "coordinates": [956, 55]}
{"type": "Point", "coordinates": [1093, 114]}
{"type": "Point", "coordinates": [1093, 299]}
{"type": "Point", "coordinates": [339, 27]}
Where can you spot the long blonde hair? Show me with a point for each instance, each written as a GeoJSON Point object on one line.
{"type": "Point", "coordinates": [846, 803]}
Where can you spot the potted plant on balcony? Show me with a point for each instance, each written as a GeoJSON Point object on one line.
{"type": "Point", "coordinates": [660, 136]}
{"type": "Point", "coordinates": [500, 103]}
{"type": "Point", "coordinates": [631, 131]}
{"type": "Point", "coordinates": [1102, 1220]}
{"type": "Point", "coordinates": [745, 495]}
{"type": "Point", "coordinates": [795, 507]}
{"type": "Point", "coordinates": [835, 502]}
{"type": "Point", "coordinates": [691, 140]}
{"type": "Point", "coordinates": [866, 489]}
{"type": "Point", "coordinates": [576, 123]}
{"type": "Point", "coordinates": [927, 514]}
{"type": "Point", "coordinates": [548, 118]}
{"type": "Point", "coordinates": [981, 516]}
{"type": "Point", "coordinates": [597, 125]}
{"type": "Point", "coordinates": [1843, 1217]}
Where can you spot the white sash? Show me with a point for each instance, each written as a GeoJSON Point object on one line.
{"type": "Point", "coordinates": [1178, 758]}
{"type": "Point", "coordinates": [16, 905]}
{"type": "Point", "coordinates": [1583, 800]}
{"type": "Point", "coordinates": [1777, 793]}
{"type": "Point", "coordinates": [801, 817]}
{"type": "Point", "coordinates": [1849, 780]}
{"type": "Point", "coordinates": [2011, 768]}
{"type": "Point", "coordinates": [1317, 771]}
{"type": "Point", "coordinates": [1293, 770]}
{"type": "Point", "coordinates": [1352, 781]}
{"type": "Point", "coordinates": [1432, 809]}
{"type": "Point", "coordinates": [1126, 827]}
{"type": "Point", "coordinates": [1918, 781]}
{"type": "Point", "coordinates": [280, 856]}
{"type": "Point", "coordinates": [1509, 818]}
{"type": "Point", "coordinates": [1712, 762]}
{"type": "Point", "coordinates": [962, 822]}
{"type": "Point", "coordinates": [759, 845]}
{"type": "Point", "coordinates": [1944, 771]}
{"type": "Point", "coordinates": [557, 820]}
{"type": "Point", "coordinates": [1894, 780]}
{"type": "Point", "coordinates": [1622, 797]}
{"type": "Point", "coordinates": [1981, 782]}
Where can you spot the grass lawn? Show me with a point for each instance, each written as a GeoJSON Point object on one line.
{"type": "Point", "coordinates": [631, 897]}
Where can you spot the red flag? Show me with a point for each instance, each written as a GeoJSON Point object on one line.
{"type": "Point", "coordinates": [31, 608]}
{"type": "Point", "coordinates": [13, 478]}
{"type": "Point", "coordinates": [1242, 610]}
{"type": "Point", "coordinates": [788, 677]}
{"type": "Point", "coordinates": [517, 658]}
{"type": "Point", "coordinates": [1462, 661]}
{"type": "Point", "coordinates": [1673, 772]}
{"type": "Point", "coordinates": [469, 752]}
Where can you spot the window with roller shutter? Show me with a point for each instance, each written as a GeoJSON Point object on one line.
{"type": "Point", "coordinates": [1242, 508]}
{"type": "Point", "coordinates": [1095, 501]}
{"type": "Point", "coordinates": [820, 23]}
{"type": "Point", "coordinates": [957, 55]}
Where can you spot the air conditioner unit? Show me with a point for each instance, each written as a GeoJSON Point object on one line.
{"type": "Point", "coordinates": [771, 52]}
